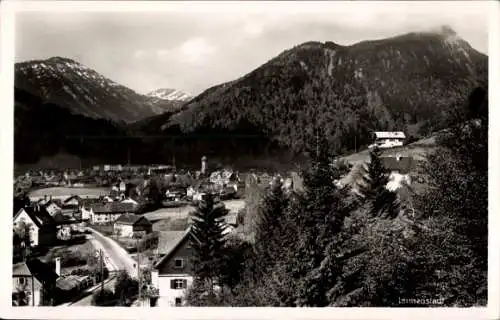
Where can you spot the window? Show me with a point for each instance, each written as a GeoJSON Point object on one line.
{"type": "Point", "coordinates": [20, 281]}
{"type": "Point", "coordinates": [179, 262]}
{"type": "Point", "coordinates": [178, 284]}
{"type": "Point", "coordinates": [178, 302]}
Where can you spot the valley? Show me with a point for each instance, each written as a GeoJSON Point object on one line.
{"type": "Point", "coordinates": [311, 174]}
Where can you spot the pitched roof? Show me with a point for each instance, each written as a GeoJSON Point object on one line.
{"type": "Point", "coordinates": [79, 199]}
{"type": "Point", "coordinates": [130, 219]}
{"type": "Point", "coordinates": [52, 208]}
{"type": "Point", "coordinates": [38, 215]}
{"type": "Point", "coordinates": [114, 207]}
{"type": "Point", "coordinates": [390, 134]}
{"type": "Point", "coordinates": [69, 282]}
{"type": "Point", "coordinates": [171, 242]}
{"type": "Point", "coordinates": [30, 214]}
{"type": "Point", "coordinates": [61, 219]}
{"type": "Point", "coordinates": [87, 203]}
{"type": "Point", "coordinates": [167, 240]}
{"type": "Point", "coordinates": [231, 219]}
{"type": "Point", "coordinates": [129, 200]}
{"type": "Point", "coordinates": [43, 272]}
{"type": "Point", "coordinates": [42, 214]}
{"type": "Point", "coordinates": [20, 269]}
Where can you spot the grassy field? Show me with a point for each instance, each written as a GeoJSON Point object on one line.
{"type": "Point", "coordinates": [182, 212]}
{"type": "Point", "coordinates": [68, 191]}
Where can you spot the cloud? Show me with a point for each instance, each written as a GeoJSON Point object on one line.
{"type": "Point", "coordinates": [253, 29]}
{"type": "Point", "coordinates": [196, 50]}
{"type": "Point", "coordinates": [139, 54]}
{"type": "Point", "coordinates": [162, 52]}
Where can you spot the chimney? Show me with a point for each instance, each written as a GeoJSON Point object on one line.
{"type": "Point", "coordinates": [58, 266]}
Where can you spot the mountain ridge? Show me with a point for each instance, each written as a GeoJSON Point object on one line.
{"type": "Point", "coordinates": [412, 82]}
{"type": "Point", "coordinates": [84, 91]}
{"type": "Point", "coordinates": [394, 78]}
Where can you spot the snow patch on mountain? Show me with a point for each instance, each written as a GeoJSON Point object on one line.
{"type": "Point", "coordinates": [84, 91]}
{"type": "Point", "coordinates": [169, 94]}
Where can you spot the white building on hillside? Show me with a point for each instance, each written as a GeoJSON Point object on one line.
{"type": "Point", "coordinates": [388, 139]}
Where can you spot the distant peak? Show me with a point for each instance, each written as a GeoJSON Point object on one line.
{"type": "Point", "coordinates": [447, 31]}
{"type": "Point", "coordinates": [169, 94]}
{"type": "Point", "coordinates": [61, 60]}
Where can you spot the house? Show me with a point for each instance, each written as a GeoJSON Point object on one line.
{"type": "Point", "coordinates": [40, 225]}
{"type": "Point", "coordinates": [175, 194]}
{"type": "Point", "coordinates": [130, 200]}
{"type": "Point", "coordinates": [231, 221]}
{"type": "Point", "coordinates": [397, 180]}
{"type": "Point", "coordinates": [223, 177]}
{"type": "Point", "coordinates": [107, 199]}
{"type": "Point", "coordinates": [159, 170]}
{"type": "Point", "coordinates": [388, 139]}
{"type": "Point", "coordinates": [73, 202]}
{"type": "Point", "coordinates": [86, 208]}
{"type": "Point", "coordinates": [65, 224]}
{"type": "Point", "coordinates": [110, 167]}
{"type": "Point", "coordinates": [172, 275]}
{"type": "Point", "coordinates": [230, 191]}
{"type": "Point", "coordinates": [33, 283]}
{"type": "Point", "coordinates": [70, 286]}
{"type": "Point", "coordinates": [100, 213]}
{"type": "Point", "coordinates": [52, 208]}
{"type": "Point", "coordinates": [190, 192]}
{"type": "Point", "coordinates": [129, 224]}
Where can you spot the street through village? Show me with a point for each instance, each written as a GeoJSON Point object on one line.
{"type": "Point", "coordinates": [115, 258]}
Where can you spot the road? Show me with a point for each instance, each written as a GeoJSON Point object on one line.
{"type": "Point", "coordinates": [118, 256]}
{"type": "Point", "coordinates": [115, 258]}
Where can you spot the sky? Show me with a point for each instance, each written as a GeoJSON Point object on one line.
{"type": "Point", "coordinates": [191, 48]}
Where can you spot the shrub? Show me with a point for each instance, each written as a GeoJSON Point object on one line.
{"type": "Point", "coordinates": [126, 289]}
{"type": "Point", "coordinates": [103, 298]}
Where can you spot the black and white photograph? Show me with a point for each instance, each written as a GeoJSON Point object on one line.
{"type": "Point", "coordinates": [249, 154]}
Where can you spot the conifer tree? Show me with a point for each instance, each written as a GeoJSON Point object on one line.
{"type": "Point", "coordinates": [457, 198]}
{"type": "Point", "coordinates": [317, 216]}
{"type": "Point", "coordinates": [207, 241]}
{"type": "Point", "coordinates": [268, 235]}
{"type": "Point", "coordinates": [375, 178]}
{"type": "Point", "coordinates": [373, 189]}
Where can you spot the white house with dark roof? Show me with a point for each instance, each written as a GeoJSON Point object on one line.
{"type": "Point", "coordinates": [172, 274]}
{"type": "Point", "coordinates": [34, 278]}
{"type": "Point", "coordinates": [99, 213]}
{"type": "Point", "coordinates": [388, 139]}
{"type": "Point", "coordinates": [128, 224]}
{"type": "Point", "coordinates": [40, 225]}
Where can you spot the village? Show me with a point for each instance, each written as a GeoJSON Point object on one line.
{"type": "Point", "coordinates": [74, 232]}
